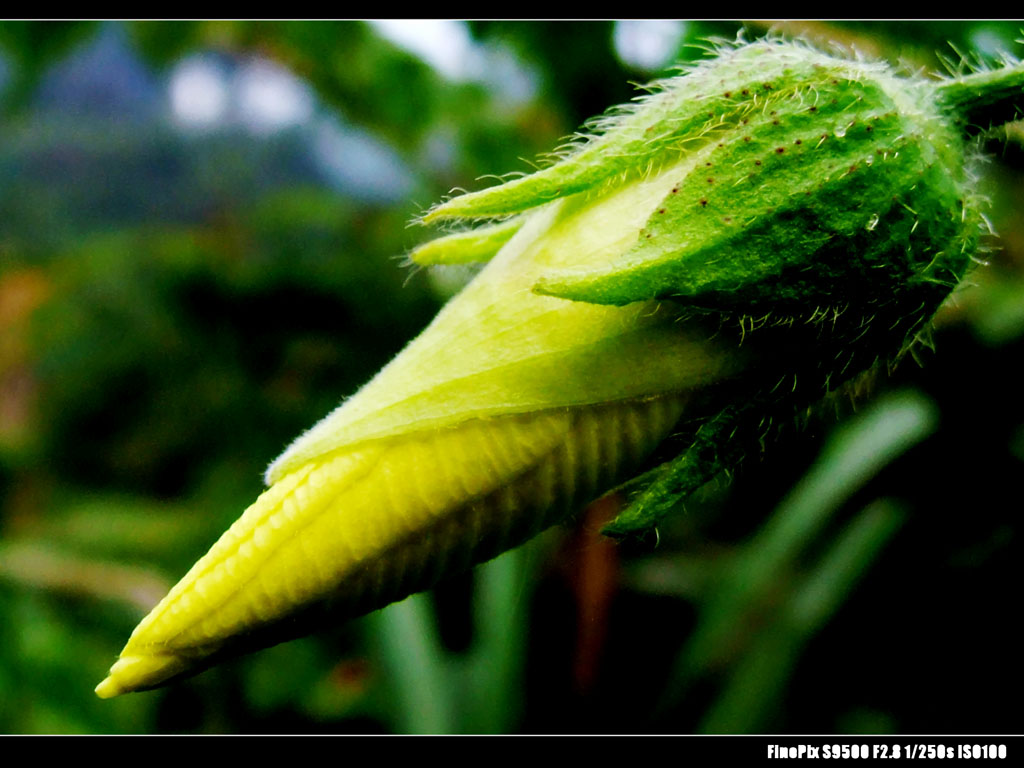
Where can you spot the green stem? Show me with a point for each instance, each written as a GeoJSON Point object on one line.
{"type": "Point", "coordinates": [985, 99]}
{"type": "Point", "coordinates": [758, 679]}
{"type": "Point", "coordinates": [406, 636]}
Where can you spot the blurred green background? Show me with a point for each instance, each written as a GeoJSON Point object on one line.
{"type": "Point", "coordinates": [201, 226]}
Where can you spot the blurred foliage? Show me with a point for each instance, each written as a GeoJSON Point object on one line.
{"type": "Point", "coordinates": [177, 304]}
{"type": "Point", "coordinates": [33, 46]}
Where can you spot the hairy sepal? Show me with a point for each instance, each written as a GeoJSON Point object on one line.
{"type": "Point", "coordinates": [846, 186]}
{"type": "Point", "coordinates": [679, 116]}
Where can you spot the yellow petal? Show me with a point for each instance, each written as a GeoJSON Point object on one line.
{"type": "Point", "coordinates": [360, 528]}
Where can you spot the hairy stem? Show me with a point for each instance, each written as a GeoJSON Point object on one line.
{"type": "Point", "coordinates": [985, 99]}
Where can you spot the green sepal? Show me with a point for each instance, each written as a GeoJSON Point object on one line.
{"type": "Point", "coordinates": [809, 200]}
{"type": "Point", "coordinates": [717, 446]}
{"type": "Point", "coordinates": [677, 117]}
{"type": "Point", "coordinates": [467, 247]}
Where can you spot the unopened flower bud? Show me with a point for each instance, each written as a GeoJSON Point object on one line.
{"type": "Point", "coordinates": [826, 199]}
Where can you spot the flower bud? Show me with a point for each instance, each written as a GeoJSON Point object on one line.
{"type": "Point", "coordinates": [771, 185]}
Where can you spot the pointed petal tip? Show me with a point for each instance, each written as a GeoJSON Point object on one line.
{"type": "Point", "coordinates": [140, 673]}
{"type": "Point", "coordinates": [108, 689]}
